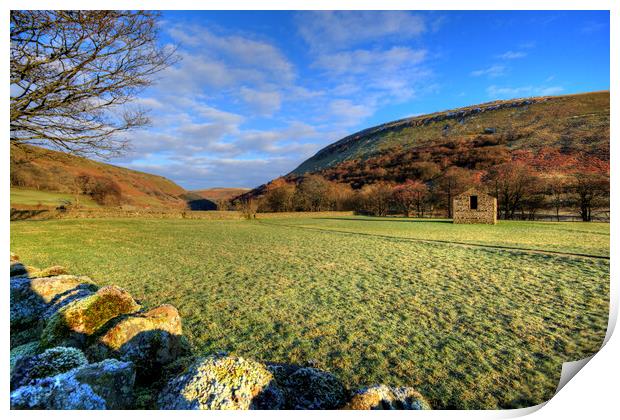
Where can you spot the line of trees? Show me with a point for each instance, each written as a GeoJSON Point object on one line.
{"type": "Point", "coordinates": [521, 191]}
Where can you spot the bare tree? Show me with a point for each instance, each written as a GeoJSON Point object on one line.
{"type": "Point", "coordinates": [73, 74]}
{"type": "Point", "coordinates": [248, 208]}
{"type": "Point", "coordinates": [453, 181]}
{"type": "Point", "coordinates": [556, 185]}
{"type": "Point", "coordinates": [223, 204]}
{"type": "Point", "coordinates": [312, 194]}
{"type": "Point", "coordinates": [591, 191]}
{"type": "Point", "coordinates": [375, 198]}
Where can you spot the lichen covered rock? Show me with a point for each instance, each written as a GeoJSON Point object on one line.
{"type": "Point", "coordinates": [26, 306]}
{"type": "Point", "coordinates": [49, 363]}
{"type": "Point", "coordinates": [61, 392]}
{"type": "Point", "coordinates": [164, 318]}
{"type": "Point", "coordinates": [222, 383]}
{"type": "Point", "coordinates": [23, 351]}
{"type": "Point", "coordinates": [73, 323]}
{"type": "Point", "coordinates": [313, 389]}
{"type": "Point", "coordinates": [113, 380]}
{"type": "Point", "coordinates": [21, 337]}
{"type": "Point", "coordinates": [150, 339]}
{"type": "Point", "coordinates": [55, 270]}
{"type": "Point", "coordinates": [57, 288]}
{"type": "Point", "coordinates": [32, 298]}
{"type": "Point", "coordinates": [382, 397]}
{"type": "Point", "coordinates": [108, 384]}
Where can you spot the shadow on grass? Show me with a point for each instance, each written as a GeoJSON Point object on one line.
{"type": "Point", "coordinates": [397, 220]}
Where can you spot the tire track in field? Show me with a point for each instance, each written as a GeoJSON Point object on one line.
{"type": "Point", "coordinates": [439, 241]}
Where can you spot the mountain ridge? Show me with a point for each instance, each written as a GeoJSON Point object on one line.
{"type": "Point", "coordinates": [524, 123]}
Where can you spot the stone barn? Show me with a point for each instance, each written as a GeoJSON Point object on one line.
{"type": "Point", "coordinates": [474, 206]}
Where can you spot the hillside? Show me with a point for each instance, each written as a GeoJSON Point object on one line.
{"type": "Point", "coordinates": [215, 194]}
{"type": "Point", "coordinates": [42, 175]}
{"type": "Point", "coordinates": [475, 137]}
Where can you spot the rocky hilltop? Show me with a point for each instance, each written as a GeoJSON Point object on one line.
{"type": "Point", "coordinates": [476, 137]}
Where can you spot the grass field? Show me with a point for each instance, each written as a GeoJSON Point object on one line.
{"type": "Point", "coordinates": [27, 197]}
{"type": "Point", "coordinates": [371, 300]}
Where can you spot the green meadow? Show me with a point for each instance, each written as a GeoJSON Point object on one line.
{"type": "Point", "coordinates": [472, 316]}
{"type": "Point", "coordinates": [29, 197]}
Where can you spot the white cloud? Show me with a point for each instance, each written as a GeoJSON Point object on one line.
{"type": "Point", "coordinates": [149, 103]}
{"type": "Point", "coordinates": [328, 30]}
{"type": "Point", "coordinates": [210, 109]}
{"type": "Point", "coordinates": [215, 114]}
{"type": "Point", "coordinates": [363, 61]}
{"type": "Point", "coordinates": [511, 55]}
{"type": "Point", "coordinates": [493, 71]}
{"type": "Point", "coordinates": [211, 63]}
{"type": "Point", "coordinates": [197, 172]}
{"type": "Point", "coordinates": [264, 102]}
{"type": "Point", "coordinates": [291, 139]}
{"type": "Point", "coordinates": [243, 51]}
{"type": "Point", "coordinates": [591, 27]}
{"type": "Point", "coordinates": [497, 92]}
{"type": "Point", "coordinates": [349, 113]}
{"type": "Point", "coordinates": [393, 75]}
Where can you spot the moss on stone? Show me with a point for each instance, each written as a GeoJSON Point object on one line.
{"type": "Point", "coordinates": [163, 318]}
{"type": "Point", "coordinates": [84, 317]}
{"type": "Point", "coordinates": [222, 383]}
{"type": "Point", "coordinates": [313, 389]}
{"type": "Point", "coordinates": [24, 350]}
{"type": "Point", "coordinates": [49, 363]}
{"type": "Point", "coordinates": [57, 360]}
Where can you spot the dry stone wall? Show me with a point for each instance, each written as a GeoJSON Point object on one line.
{"type": "Point", "coordinates": [75, 345]}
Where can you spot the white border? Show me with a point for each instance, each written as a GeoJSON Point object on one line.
{"type": "Point", "coordinates": [592, 394]}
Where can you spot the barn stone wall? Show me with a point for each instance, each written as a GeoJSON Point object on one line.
{"type": "Point", "coordinates": [486, 212]}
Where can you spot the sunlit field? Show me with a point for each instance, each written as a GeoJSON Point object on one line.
{"type": "Point", "coordinates": [472, 316]}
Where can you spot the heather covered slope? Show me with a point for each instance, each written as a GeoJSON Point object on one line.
{"type": "Point", "coordinates": [42, 170]}
{"type": "Point", "coordinates": [475, 137]}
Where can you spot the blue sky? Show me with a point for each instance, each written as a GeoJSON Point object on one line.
{"type": "Point", "coordinates": [257, 93]}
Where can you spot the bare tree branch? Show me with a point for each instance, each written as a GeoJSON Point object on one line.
{"type": "Point", "coordinates": [73, 74]}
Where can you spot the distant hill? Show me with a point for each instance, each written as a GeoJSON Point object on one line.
{"type": "Point", "coordinates": [208, 199]}
{"type": "Point", "coordinates": [215, 194]}
{"type": "Point", "coordinates": [474, 137]}
{"type": "Point", "coordinates": [39, 174]}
